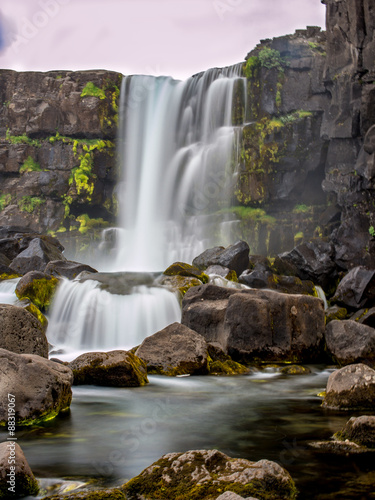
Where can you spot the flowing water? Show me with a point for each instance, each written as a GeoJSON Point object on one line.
{"type": "Point", "coordinates": [7, 289]}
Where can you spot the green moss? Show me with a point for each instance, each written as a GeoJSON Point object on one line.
{"type": "Point", "coordinates": [5, 200]}
{"type": "Point", "coordinates": [92, 90]}
{"type": "Point", "coordinates": [112, 494]}
{"type": "Point", "coordinates": [11, 276]}
{"type": "Point", "coordinates": [36, 312]}
{"type": "Point", "coordinates": [87, 224]}
{"type": "Point", "coordinates": [227, 367]}
{"type": "Point", "coordinates": [183, 269]}
{"type": "Point", "coordinates": [39, 291]}
{"type": "Point", "coordinates": [30, 203]}
{"type": "Point", "coordinates": [271, 58]}
{"type": "Point", "coordinates": [30, 166]}
{"type": "Point", "coordinates": [295, 370]}
{"type": "Point", "coordinates": [339, 314]}
{"type": "Point", "coordinates": [22, 139]}
{"type": "Point", "coordinates": [301, 209]}
{"type": "Point", "coordinates": [248, 214]}
{"type": "Point", "coordinates": [252, 66]}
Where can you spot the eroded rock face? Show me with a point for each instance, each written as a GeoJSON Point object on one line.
{"type": "Point", "coordinates": [350, 342]}
{"type": "Point", "coordinates": [175, 350]}
{"type": "Point", "coordinates": [351, 388]}
{"type": "Point", "coordinates": [41, 388]}
{"type": "Point", "coordinates": [109, 369]}
{"type": "Point", "coordinates": [14, 464]}
{"type": "Point", "coordinates": [21, 332]}
{"type": "Point", "coordinates": [204, 474]}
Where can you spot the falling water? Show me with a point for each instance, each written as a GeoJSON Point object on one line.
{"type": "Point", "coordinates": [177, 145]}
{"type": "Point", "coordinates": [7, 289]}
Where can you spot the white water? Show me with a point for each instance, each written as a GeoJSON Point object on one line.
{"type": "Point", "coordinates": [177, 157]}
{"type": "Point", "coordinates": [85, 318]}
{"type": "Point", "coordinates": [7, 289]}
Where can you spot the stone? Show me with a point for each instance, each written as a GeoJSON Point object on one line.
{"type": "Point", "coordinates": [6, 273]}
{"type": "Point", "coordinates": [67, 269]}
{"type": "Point", "coordinates": [351, 388]}
{"type": "Point", "coordinates": [183, 269]}
{"type": "Point", "coordinates": [15, 473]}
{"type": "Point", "coordinates": [175, 350]}
{"type": "Point", "coordinates": [41, 388]}
{"type": "Point", "coordinates": [218, 271]}
{"type": "Point", "coordinates": [21, 332]}
{"type": "Point", "coordinates": [253, 325]}
{"type": "Point", "coordinates": [360, 430]}
{"type": "Point", "coordinates": [367, 317]}
{"type": "Point", "coordinates": [179, 284]}
{"type": "Point", "coordinates": [205, 474]}
{"type": "Point", "coordinates": [336, 312]}
{"type": "Point", "coordinates": [38, 287]}
{"type": "Point", "coordinates": [235, 257]}
{"type": "Point", "coordinates": [350, 342]}
{"type": "Point", "coordinates": [283, 284]}
{"type": "Point", "coordinates": [36, 256]}
{"type": "Point", "coordinates": [356, 289]}
{"type": "Point", "coordinates": [229, 495]}
{"type": "Point", "coordinates": [109, 369]}
{"type": "Point", "coordinates": [208, 258]}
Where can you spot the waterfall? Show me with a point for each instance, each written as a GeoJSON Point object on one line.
{"type": "Point", "coordinates": [7, 291]}
{"type": "Point", "coordinates": [177, 149]}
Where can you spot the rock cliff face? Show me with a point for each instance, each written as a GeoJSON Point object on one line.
{"type": "Point", "coordinates": [307, 164]}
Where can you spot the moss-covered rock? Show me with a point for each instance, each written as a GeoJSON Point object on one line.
{"type": "Point", "coordinates": [183, 269]}
{"type": "Point", "coordinates": [205, 474]}
{"type": "Point", "coordinates": [16, 477]}
{"type": "Point", "coordinates": [220, 363]}
{"type": "Point", "coordinates": [180, 284]}
{"type": "Point", "coordinates": [295, 370]}
{"type": "Point", "coordinates": [111, 494]}
{"type": "Point", "coordinates": [38, 287]}
{"type": "Point", "coordinates": [336, 313]}
{"type": "Point", "coordinates": [360, 430]}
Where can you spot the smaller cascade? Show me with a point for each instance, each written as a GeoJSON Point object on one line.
{"type": "Point", "coordinates": [86, 318]}
{"type": "Point", "coordinates": [7, 291]}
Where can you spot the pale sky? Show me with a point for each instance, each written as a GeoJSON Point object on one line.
{"type": "Point", "coordinates": [159, 37]}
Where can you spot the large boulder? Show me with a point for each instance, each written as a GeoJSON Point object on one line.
{"type": "Point", "coordinates": [234, 257]}
{"type": "Point", "coordinates": [350, 342]}
{"type": "Point", "coordinates": [205, 474]}
{"type": "Point", "coordinates": [36, 256]}
{"type": "Point", "coordinates": [110, 369]}
{"type": "Point", "coordinates": [284, 284]}
{"type": "Point", "coordinates": [357, 288]}
{"type": "Point", "coordinates": [41, 388]}
{"type": "Point", "coordinates": [253, 325]}
{"type": "Point", "coordinates": [21, 332]}
{"type": "Point", "coordinates": [67, 269]}
{"type": "Point", "coordinates": [360, 430]}
{"type": "Point", "coordinates": [183, 269]}
{"type": "Point", "coordinates": [351, 388]}
{"type": "Point", "coordinates": [175, 350]}
{"type": "Point", "coordinates": [37, 287]}
{"type": "Point", "coordinates": [16, 477]}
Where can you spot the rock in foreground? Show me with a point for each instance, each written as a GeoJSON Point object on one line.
{"type": "Point", "coordinates": [351, 388]}
{"type": "Point", "coordinates": [41, 388]}
{"type": "Point", "coordinates": [109, 369]}
{"type": "Point", "coordinates": [360, 430]}
{"type": "Point", "coordinates": [350, 342]}
{"type": "Point", "coordinates": [205, 474]}
{"type": "Point", "coordinates": [16, 477]}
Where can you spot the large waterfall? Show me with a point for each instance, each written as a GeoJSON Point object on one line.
{"type": "Point", "coordinates": [178, 149]}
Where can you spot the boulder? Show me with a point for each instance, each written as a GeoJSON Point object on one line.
{"type": "Point", "coordinates": [335, 312]}
{"type": "Point", "coordinates": [21, 332]}
{"type": "Point", "coordinates": [350, 342]}
{"type": "Point", "coordinates": [229, 495]}
{"type": "Point", "coordinates": [183, 269]}
{"type": "Point", "coordinates": [175, 350]}
{"type": "Point", "coordinates": [67, 269]}
{"type": "Point", "coordinates": [6, 273]}
{"type": "Point", "coordinates": [16, 477]}
{"type": "Point", "coordinates": [367, 317]}
{"type": "Point", "coordinates": [4, 261]}
{"type": "Point", "coordinates": [284, 284]}
{"type": "Point", "coordinates": [38, 287]}
{"type": "Point", "coordinates": [112, 494]}
{"type": "Point", "coordinates": [180, 284]}
{"type": "Point", "coordinates": [36, 256]}
{"type": "Point", "coordinates": [235, 257]}
{"type": "Point", "coordinates": [357, 288]}
{"type": "Point", "coordinates": [10, 247]}
{"type": "Point", "coordinates": [109, 369]}
{"type": "Point", "coordinates": [41, 388]}
{"type": "Point", "coordinates": [351, 388]}
{"type": "Point", "coordinates": [360, 430]}
{"type": "Point", "coordinates": [205, 474]}
{"type": "Point", "coordinates": [313, 261]}
{"type": "Point", "coordinates": [253, 325]}
{"type": "Point", "coordinates": [222, 364]}
{"type": "Point", "coordinates": [222, 271]}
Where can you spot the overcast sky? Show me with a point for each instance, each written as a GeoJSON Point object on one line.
{"type": "Point", "coordinates": [160, 37]}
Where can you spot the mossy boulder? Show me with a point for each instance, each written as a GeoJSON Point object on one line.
{"type": "Point", "coordinates": [41, 388]}
{"type": "Point", "coordinates": [36, 255]}
{"type": "Point", "coordinates": [21, 332]}
{"type": "Point", "coordinates": [175, 350]}
{"type": "Point", "coordinates": [351, 388]}
{"type": "Point", "coordinates": [360, 430]}
{"type": "Point", "coordinates": [234, 257]}
{"type": "Point", "coordinates": [6, 273]}
{"type": "Point", "coordinates": [37, 287]}
{"type": "Point", "coordinates": [220, 363]}
{"type": "Point", "coordinates": [180, 284]}
{"type": "Point", "coordinates": [183, 269]}
{"type": "Point", "coordinates": [295, 370]}
{"type": "Point", "coordinates": [112, 494]}
{"type": "Point", "coordinates": [67, 269]}
{"type": "Point", "coordinates": [222, 271]}
{"type": "Point", "coordinates": [109, 369]}
{"type": "Point", "coordinates": [16, 477]}
{"type": "Point", "coordinates": [335, 312]}
{"type": "Point", "coordinates": [205, 474]}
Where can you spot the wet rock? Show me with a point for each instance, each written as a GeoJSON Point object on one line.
{"type": "Point", "coordinates": [360, 430]}
{"type": "Point", "coordinates": [351, 388]}
{"type": "Point", "coordinates": [295, 370]}
{"type": "Point", "coordinates": [257, 324]}
{"type": "Point", "coordinates": [38, 287]}
{"type": "Point", "coordinates": [109, 369]}
{"type": "Point", "coordinates": [222, 271]}
{"type": "Point", "coordinates": [175, 350]}
{"type": "Point", "coordinates": [357, 288]}
{"type": "Point", "coordinates": [119, 283]}
{"type": "Point", "coordinates": [335, 312]}
{"type": "Point", "coordinates": [180, 284]}
{"type": "Point", "coordinates": [350, 342]}
{"type": "Point", "coordinates": [205, 474]}
{"type": "Point", "coordinates": [36, 256]}
{"type": "Point", "coordinates": [67, 269]}
{"type": "Point", "coordinates": [16, 477]}
{"type": "Point", "coordinates": [367, 317]}
{"type": "Point", "coordinates": [229, 495]}
{"type": "Point", "coordinates": [21, 332]}
{"type": "Point", "coordinates": [183, 269]}
{"type": "Point", "coordinates": [284, 284]}
{"type": "Point", "coordinates": [222, 364]}
{"type": "Point", "coordinates": [41, 388]}
{"type": "Point", "coordinates": [112, 494]}
{"type": "Point", "coordinates": [6, 273]}
{"type": "Point", "coordinates": [234, 257]}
